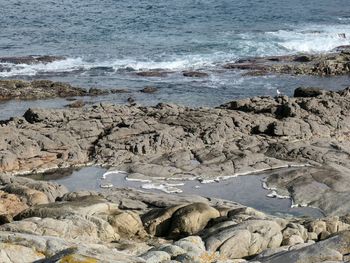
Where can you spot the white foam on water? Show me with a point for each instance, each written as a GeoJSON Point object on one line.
{"type": "Point", "coordinates": [107, 185]}
{"type": "Point", "coordinates": [312, 39]}
{"type": "Point", "coordinates": [66, 65]}
{"type": "Point", "coordinates": [274, 194]}
{"type": "Point", "coordinates": [167, 188]}
{"type": "Point", "coordinates": [113, 172]}
{"type": "Point", "coordinates": [137, 180]}
{"type": "Point", "coordinates": [344, 18]}
{"type": "Point", "coordinates": [174, 62]}
{"type": "Point", "coordinates": [307, 38]}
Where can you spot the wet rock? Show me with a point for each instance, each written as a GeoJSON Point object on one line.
{"type": "Point", "coordinates": [97, 92]}
{"type": "Point", "coordinates": [330, 64]}
{"type": "Point", "coordinates": [308, 92]}
{"type": "Point", "coordinates": [149, 90]}
{"type": "Point", "coordinates": [303, 58]}
{"type": "Point", "coordinates": [195, 74]}
{"type": "Point", "coordinates": [153, 73]}
{"type": "Point", "coordinates": [131, 100]}
{"type": "Point", "coordinates": [76, 104]}
{"type": "Point", "coordinates": [118, 91]}
{"type": "Point", "coordinates": [30, 59]}
{"type": "Point", "coordinates": [40, 89]}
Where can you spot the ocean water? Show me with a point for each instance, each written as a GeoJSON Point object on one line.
{"type": "Point", "coordinates": [105, 42]}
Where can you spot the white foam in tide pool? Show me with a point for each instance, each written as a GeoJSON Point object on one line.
{"type": "Point", "coordinates": [167, 188]}
{"type": "Point", "coordinates": [114, 172]}
{"type": "Point", "coordinates": [274, 194]}
{"type": "Point", "coordinates": [137, 180]}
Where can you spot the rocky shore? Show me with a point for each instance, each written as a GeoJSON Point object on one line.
{"type": "Point", "coordinates": [42, 222]}
{"type": "Point", "coordinates": [175, 142]}
{"type": "Point", "coordinates": [329, 64]}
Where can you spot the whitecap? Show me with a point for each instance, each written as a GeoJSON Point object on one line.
{"type": "Point", "coordinates": [312, 39]}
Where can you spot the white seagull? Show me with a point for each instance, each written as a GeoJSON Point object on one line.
{"type": "Point", "coordinates": [278, 92]}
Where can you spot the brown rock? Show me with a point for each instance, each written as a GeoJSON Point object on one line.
{"type": "Point", "coordinates": [149, 90]}
{"type": "Point", "coordinates": [195, 74]}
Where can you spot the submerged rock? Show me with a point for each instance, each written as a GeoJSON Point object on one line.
{"type": "Point", "coordinates": [195, 74]}
{"type": "Point", "coordinates": [149, 90]}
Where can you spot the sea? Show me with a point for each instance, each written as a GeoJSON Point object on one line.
{"type": "Point", "coordinates": [106, 42]}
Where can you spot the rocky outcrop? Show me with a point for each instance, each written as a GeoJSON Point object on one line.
{"type": "Point", "coordinates": [168, 141]}
{"type": "Point", "coordinates": [42, 89]}
{"type": "Point", "coordinates": [331, 64]}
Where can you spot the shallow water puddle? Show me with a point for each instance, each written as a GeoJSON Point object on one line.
{"type": "Point", "coordinates": [246, 190]}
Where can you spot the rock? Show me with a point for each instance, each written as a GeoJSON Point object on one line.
{"type": "Point", "coordinates": [247, 238]}
{"type": "Point", "coordinates": [126, 223]}
{"type": "Point", "coordinates": [18, 254]}
{"type": "Point", "coordinates": [195, 74]}
{"type": "Point", "coordinates": [131, 100]}
{"type": "Point", "coordinates": [308, 92]}
{"type": "Point", "coordinates": [54, 249]}
{"type": "Point", "coordinates": [324, 235]}
{"type": "Point", "coordinates": [153, 73]}
{"type": "Point", "coordinates": [156, 257]}
{"type": "Point", "coordinates": [172, 250]}
{"type": "Point", "coordinates": [331, 249]}
{"type": "Point", "coordinates": [191, 219]}
{"type": "Point", "coordinates": [77, 258]}
{"type": "Point", "coordinates": [5, 218]}
{"type": "Point", "coordinates": [330, 64]}
{"type": "Point", "coordinates": [68, 227]}
{"type": "Point", "coordinates": [293, 240]}
{"type": "Point", "coordinates": [76, 104]}
{"type": "Point", "coordinates": [157, 222]}
{"type": "Point", "coordinates": [194, 247]}
{"type": "Point", "coordinates": [118, 91]}
{"type": "Point", "coordinates": [85, 206]}
{"type": "Point", "coordinates": [97, 92]}
{"type": "Point", "coordinates": [10, 205]}
{"type": "Point", "coordinates": [30, 59]}
{"type": "Point", "coordinates": [149, 90]}
{"type": "Point", "coordinates": [40, 89]}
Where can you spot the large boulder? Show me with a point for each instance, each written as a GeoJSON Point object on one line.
{"type": "Point", "coordinates": [245, 239]}
{"type": "Point", "coordinates": [191, 219]}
